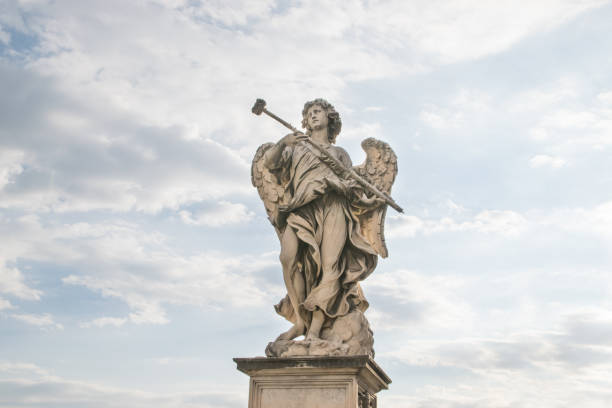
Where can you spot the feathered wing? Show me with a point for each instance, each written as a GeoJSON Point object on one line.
{"type": "Point", "coordinates": [269, 186]}
{"type": "Point", "coordinates": [380, 169]}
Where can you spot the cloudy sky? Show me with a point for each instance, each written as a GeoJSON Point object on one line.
{"type": "Point", "coordinates": [135, 256]}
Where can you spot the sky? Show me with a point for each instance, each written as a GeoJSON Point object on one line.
{"type": "Point", "coordinates": [136, 259]}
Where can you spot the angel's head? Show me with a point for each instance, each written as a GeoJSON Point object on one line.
{"type": "Point", "coordinates": [334, 124]}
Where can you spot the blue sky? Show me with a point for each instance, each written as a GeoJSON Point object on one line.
{"type": "Point", "coordinates": [135, 256]}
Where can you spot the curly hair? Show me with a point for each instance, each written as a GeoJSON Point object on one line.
{"type": "Point", "coordinates": [334, 124]}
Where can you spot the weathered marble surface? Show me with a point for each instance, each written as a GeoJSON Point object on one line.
{"type": "Point", "coordinates": [313, 382]}
{"type": "Point", "coordinates": [329, 217]}
{"type": "Point", "coordinates": [348, 335]}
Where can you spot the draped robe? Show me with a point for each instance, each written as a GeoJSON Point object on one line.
{"type": "Point", "coordinates": [317, 204]}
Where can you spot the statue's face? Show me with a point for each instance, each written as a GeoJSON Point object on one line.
{"type": "Point", "coordinates": [317, 117]}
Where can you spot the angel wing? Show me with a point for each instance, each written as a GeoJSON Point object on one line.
{"type": "Point", "coordinates": [270, 188]}
{"type": "Point", "coordinates": [380, 169]}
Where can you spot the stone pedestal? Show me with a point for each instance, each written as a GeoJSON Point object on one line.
{"type": "Point", "coordinates": [313, 382]}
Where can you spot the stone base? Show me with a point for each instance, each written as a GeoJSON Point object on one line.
{"type": "Point", "coordinates": [348, 335]}
{"type": "Point", "coordinates": [313, 382]}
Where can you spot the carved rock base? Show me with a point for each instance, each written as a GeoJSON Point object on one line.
{"type": "Point", "coordinates": [313, 382]}
{"type": "Point", "coordinates": [348, 335]}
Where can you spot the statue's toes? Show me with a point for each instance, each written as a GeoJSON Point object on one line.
{"type": "Point", "coordinates": [283, 336]}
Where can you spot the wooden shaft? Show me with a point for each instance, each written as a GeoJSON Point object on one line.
{"type": "Point", "coordinates": [273, 116]}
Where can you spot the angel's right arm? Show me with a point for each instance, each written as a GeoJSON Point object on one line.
{"type": "Point", "coordinates": [273, 157]}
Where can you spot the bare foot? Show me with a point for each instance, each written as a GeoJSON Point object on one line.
{"type": "Point", "coordinates": [312, 336]}
{"type": "Point", "coordinates": [314, 331]}
{"type": "Point", "coordinates": [292, 333]}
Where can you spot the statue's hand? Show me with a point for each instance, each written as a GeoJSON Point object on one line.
{"type": "Point", "coordinates": [293, 138]}
{"type": "Point", "coordinates": [370, 202]}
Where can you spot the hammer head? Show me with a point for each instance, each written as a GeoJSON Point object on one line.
{"type": "Point", "coordinates": [259, 106]}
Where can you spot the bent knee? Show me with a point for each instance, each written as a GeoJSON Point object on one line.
{"type": "Point", "coordinates": [286, 259]}
{"type": "Point", "coordinates": [329, 265]}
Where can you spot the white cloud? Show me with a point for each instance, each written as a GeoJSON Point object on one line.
{"type": "Point", "coordinates": [237, 12]}
{"type": "Point", "coordinates": [543, 160]}
{"type": "Point", "coordinates": [66, 120]}
{"type": "Point", "coordinates": [561, 117]}
{"type": "Point", "coordinates": [11, 16]}
{"type": "Point", "coordinates": [502, 222]}
{"type": "Point", "coordinates": [136, 173]}
{"type": "Point", "coordinates": [18, 369]}
{"type": "Point", "coordinates": [177, 360]}
{"type": "Point", "coordinates": [467, 29]}
{"type": "Point", "coordinates": [28, 385]}
{"type": "Point", "coordinates": [424, 29]}
{"type": "Point", "coordinates": [453, 207]}
{"type": "Point", "coordinates": [12, 282]}
{"type": "Point", "coordinates": [545, 368]}
{"type": "Point", "coordinates": [466, 107]}
{"type": "Point", "coordinates": [605, 97]}
{"type": "Point", "coordinates": [5, 37]}
{"type": "Point", "coordinates": [105, 321]}
{"type": "Point", "coordinates": [42, 320]}
{"type": "Point", "coordinates": [438, 119]}
{"type": "Point", "coordinates": [5, 304]}
{"type": "Point", "coordinates": [224, 213]}
{"type": "Point", "coordinates": [542, 98]}
{"type": "Point", "coordinates": [596, 220]}
{"type": "Point", "coordinates": [419, 303]}
{"type": "Point", "coordinates": [362, 130]}
{"type": "Point", "coordinates": [158, 277]}
{"type": "Point", "coordinates": [10, 166]}
{"type": "Point", "coordinates": [146, 311]}
{"type": "Point", "coordinates": [123, 261]}
{"type": "Point", "coordinates": [498, 222]}
{"type": "Point", "coordinates": [570, 121]}
{"type": "Point", "coordinates": [125, 147]}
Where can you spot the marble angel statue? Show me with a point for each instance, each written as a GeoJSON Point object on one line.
{"type": "Point", "coordinates": [330, 228]}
